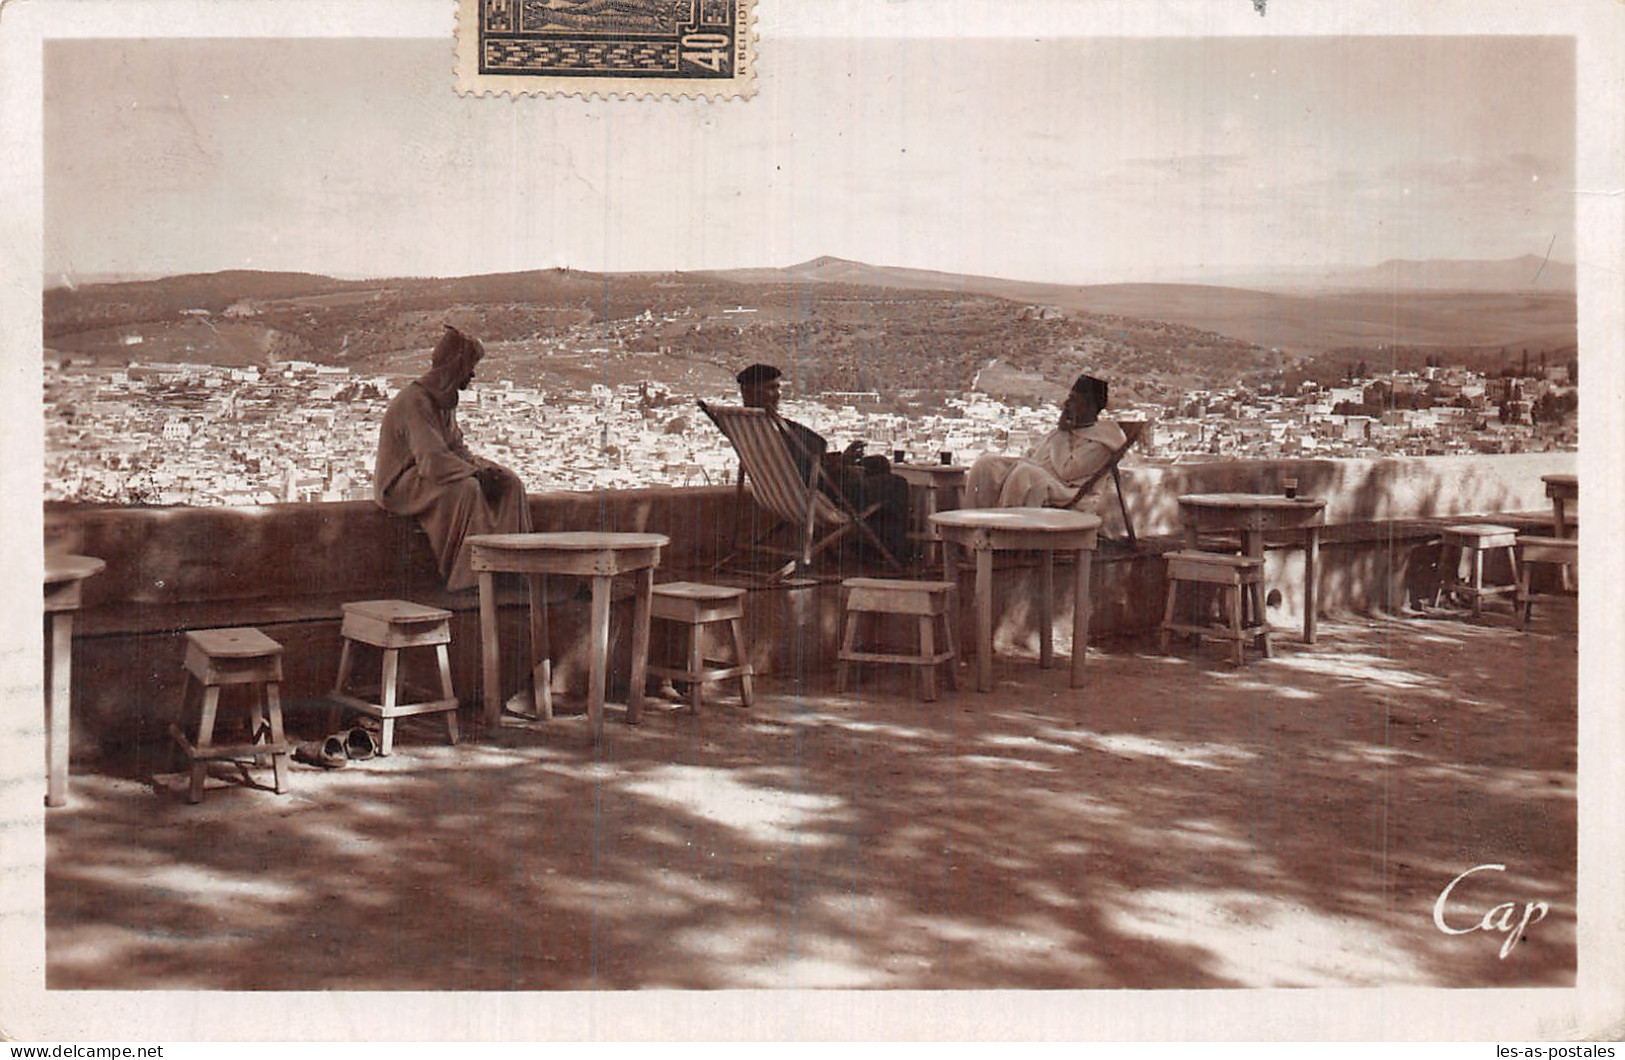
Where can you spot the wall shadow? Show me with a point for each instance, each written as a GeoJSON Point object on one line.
{"type": "Point", "coordinates": [1177, 824]}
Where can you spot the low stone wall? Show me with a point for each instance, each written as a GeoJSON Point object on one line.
{"type": "Point", "coordinates": [288, 568]}
{"type": "Point", "coordinates": [1355, 491]}
{"type": "Point", "coordinates": [168, 559]}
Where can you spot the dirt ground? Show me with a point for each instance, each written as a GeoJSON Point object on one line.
{"type": "Point", "coordinates": [1180, 823]}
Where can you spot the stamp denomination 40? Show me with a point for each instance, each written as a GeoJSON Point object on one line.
{"type": "Point", "coordinates": [696, 48]}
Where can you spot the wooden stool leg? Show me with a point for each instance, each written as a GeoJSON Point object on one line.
{"type": "Point", "coordinates": [1168, 610]}
{"type": "Point", "coordinates": [696, 666]}
{"type": "Point", "coordinates": [742, 659]}
{"type": "Point", "coordinates": [256, 721]}
{"type": "Point", "coordinates": [190, 691]}
{"type": "Point", "coordinates": [1512, 560]}
{"type": "Point", "coordinates": [1237, 637]}
{"type": "Point", "coordinates": [279, 759]}
{"type": "Point", "coordinates": [1259, 606]}
{"type": "Point", "coordinates": [849, 641]}
{"type": "Point", "coordinates": [1522, 603]}
{"type": "Point", "coordinates": [1198, 610]}
{"type": "Point", "coordinates": [205, 738]}
{"type": "Point", "coordinates": [443, 657]}
{"type": "Point", "coordinates": [391, 674]}
{"type": "Point", "coordinates": [928, 648]}
{"type": "Point", "coordinates": [948, 639]}
{"type": "Point", "coordinates": [346, 660]}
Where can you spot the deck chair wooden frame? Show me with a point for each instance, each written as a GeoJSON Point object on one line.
{"type": "Point", "coordinates": [1132, 429]}
{"type": "Point", "coordinates": [767, 452]}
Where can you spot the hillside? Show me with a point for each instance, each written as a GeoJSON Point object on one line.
{"type": "Point", "coordinates": [829, 334]}
{"type": "Point", "coordinates": [913, 336]}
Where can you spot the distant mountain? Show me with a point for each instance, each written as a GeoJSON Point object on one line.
{"type": "Point", "coordinates": [91, 279]}
{"type": "Point", "coordinates": [839, 270]}
{"type": "Point", "coordinates": [210, 290]}
{"type": "Point", "coordinates": [1335, 311]}
{"type": "Point", "coordinates": [1526, 273]}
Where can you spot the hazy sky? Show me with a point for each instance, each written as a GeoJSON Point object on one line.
{"type": "Point", "coordinates": [1071, 160]}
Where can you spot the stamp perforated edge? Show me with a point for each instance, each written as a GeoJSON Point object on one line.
{"type": "Point", "coordinates": [470, 82]}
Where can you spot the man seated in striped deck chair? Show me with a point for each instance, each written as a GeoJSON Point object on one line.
{"type": "Point", "coordinates": [862, 480]}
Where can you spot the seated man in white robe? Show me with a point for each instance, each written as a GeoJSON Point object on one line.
{"type": "Point", "coordinates": [1050, 476]}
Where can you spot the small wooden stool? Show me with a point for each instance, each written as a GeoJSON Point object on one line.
{"type": "Point", "coordinates": [1474, 540]}
{"type": "Point", "coordinates": [1241, 578]}
{"type": "Point", "coordinates": [1532, 549]}
{"type": "Point", "coordinates": [241, 656]}
{"type": "Point", "coordinates": [696, 606]}
{"type": "Point", "coordinates": [393, 626]}
{"type": "Point", "coordinates": [894, 596]}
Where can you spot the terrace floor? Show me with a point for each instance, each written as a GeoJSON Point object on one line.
{"type": "Point", "coordinates": [1178, 824]}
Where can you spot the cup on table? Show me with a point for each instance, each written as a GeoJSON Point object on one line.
{"type": "Point", "coordinates": [1290, 487]}
{"type": "Point", "coordinates": [899, 456]}
{"type": "Point", "coordinates": [946, 457]}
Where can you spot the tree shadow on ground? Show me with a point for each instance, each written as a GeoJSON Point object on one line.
{"type": "Point", "coordinates": [1179, 823]}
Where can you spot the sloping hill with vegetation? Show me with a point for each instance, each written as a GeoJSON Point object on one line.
{"type": "Point", "coordinates": [912, 336]}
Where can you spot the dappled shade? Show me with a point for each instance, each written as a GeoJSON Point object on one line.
{"type": "Point", "coordinates": [1178, 823]}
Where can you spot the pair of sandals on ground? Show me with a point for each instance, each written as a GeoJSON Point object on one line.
{"type": "Point", "coordinates": [341, 748]}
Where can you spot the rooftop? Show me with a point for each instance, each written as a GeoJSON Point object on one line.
{"type": "Point", "coordinates": [1179, 823]}
{"type": "Point", "coordinates": [1178, 826]}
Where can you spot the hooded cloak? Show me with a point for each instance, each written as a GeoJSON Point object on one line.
{"type": "Point", "coordinates": [424, 469]}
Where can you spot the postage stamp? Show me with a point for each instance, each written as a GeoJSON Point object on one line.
{"type": "Point", "coordinates": [610, 48]}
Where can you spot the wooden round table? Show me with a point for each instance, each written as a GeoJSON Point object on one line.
{"type": "Point", "coordinates": [599, 556]}
{"type": "Point", "coordinates": [939, 487]}
{"type": "Point", "coordinates": [1253, 515]}
{"type": "Point", "coordinates": [64, 577]}
{"type": "Point", "coordinates": [984, 531]}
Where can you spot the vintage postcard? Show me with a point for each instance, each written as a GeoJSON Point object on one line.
{"type": "Point", "coordinates": [1155, 604]}
{"type": "Point", "coordinates": [607, 48]}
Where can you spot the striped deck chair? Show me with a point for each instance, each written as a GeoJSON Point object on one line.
{"type": "Point", "coordinates": [797, 503]}
{"type": "Point", "coordinates": [1131, 434]}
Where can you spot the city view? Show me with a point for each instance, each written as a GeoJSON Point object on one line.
{"type": "Point", "coordinates": [138, 411]}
